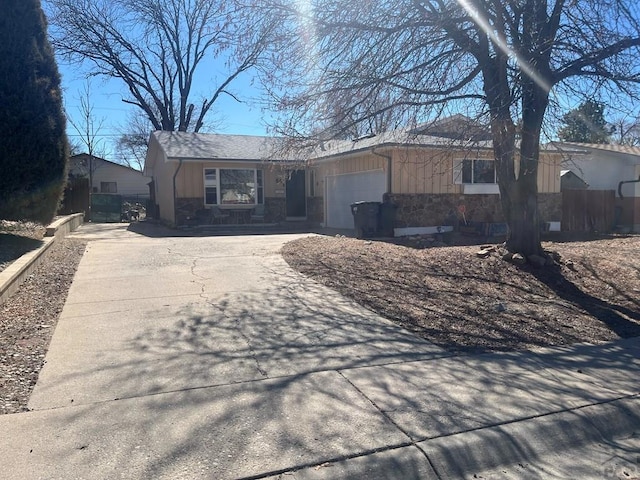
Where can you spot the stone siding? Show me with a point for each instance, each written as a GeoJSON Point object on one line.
{"type": "Point", "coordinates": [274, 209]}
{"type": "Point", "coordinates": [421, 210]}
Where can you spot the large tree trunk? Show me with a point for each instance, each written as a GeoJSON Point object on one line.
{"type": "Point", "coordinates": [518, 195]}
{"type": "Point", "coordinates": [516, 166]}
{"type": "Point", "coordinates": [520, 208]}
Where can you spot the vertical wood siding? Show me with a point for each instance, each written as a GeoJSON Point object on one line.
{"type": "Point", "coordinates": [361, 163]}
{"type": "Point", "coordinates": [429, 170]}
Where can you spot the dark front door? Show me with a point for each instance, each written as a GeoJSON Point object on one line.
{"type": "Point", "coordinates": [296, 195]}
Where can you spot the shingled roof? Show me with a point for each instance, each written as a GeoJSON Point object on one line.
{"type": "Point", "coordinates": [213, 146]}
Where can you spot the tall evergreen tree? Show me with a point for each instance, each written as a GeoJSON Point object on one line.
{"type": "Point", "coordinates": [585, 124]}
{"type": "Point", "coordinates": [33, 143]}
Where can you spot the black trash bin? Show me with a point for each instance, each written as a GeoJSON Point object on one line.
{"type": "Point", "coordinates": [387, 219]}
{"type": "Point", "coordinates": [365, 218]}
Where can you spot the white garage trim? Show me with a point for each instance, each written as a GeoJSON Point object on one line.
{"type": "Point", "coordinates": [343, 190]}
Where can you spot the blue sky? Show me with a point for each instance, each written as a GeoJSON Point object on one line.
{"type": "Point", "coordinates": [231, 117]}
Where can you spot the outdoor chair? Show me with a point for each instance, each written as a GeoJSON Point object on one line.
{"type": "Point", "coordinates": [218, 215]}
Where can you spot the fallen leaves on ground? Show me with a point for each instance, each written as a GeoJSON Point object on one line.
{"type": "Point", "coordinates": [461, 302]}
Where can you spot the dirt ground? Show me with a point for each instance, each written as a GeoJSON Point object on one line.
{"type": "Point", "coordinates": [457, 300]}
{"type": "Point", "coordinates": [29, 317]}
{"type": "Point", "coordinates": [17, 238]}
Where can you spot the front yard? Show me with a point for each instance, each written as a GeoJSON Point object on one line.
{"type": "Point", "coordinates": [461, 302]}
{"type": "Point", "coordinates": [18, 238]}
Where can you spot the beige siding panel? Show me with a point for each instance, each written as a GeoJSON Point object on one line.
{"type": "Point", "coordinates": [362, 163]}
{"type": "Point", "coordinates": [549, 173]}
{"type": "Point", "coordinates": [271, 174]}
{"type": "Point", "coordinates": [543, 170]}
{"type": "Point", "coordinates": [424, 171]}
{"type": "Point", "coordinates": [359, 164]}
{"type": "Point", "coordinates": [164, 187]}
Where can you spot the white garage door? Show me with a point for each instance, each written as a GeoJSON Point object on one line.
{"type": "Point", "coordinates": [343, 190]}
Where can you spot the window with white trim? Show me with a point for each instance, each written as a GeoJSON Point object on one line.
{"type": "Point", "coordinates": [210, 186]}
{"type": "Point", "coordinates": [472, 171]}
{"type": "Point", "coordinates": [233, 186]}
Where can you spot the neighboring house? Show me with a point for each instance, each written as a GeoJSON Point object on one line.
{"type": "Point", "coordinates": [603, 167]}
{"type": "Point", "coordinates": [110, 177]}
{"type": "Point", "coordinates": [434, 180]}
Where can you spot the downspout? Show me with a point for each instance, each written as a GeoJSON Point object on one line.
{"type": "Point", "coordinates": [175, 214]}
{"type": "Point", "coordinates": [389, 164]}
{"type": "Point", "coordinates": [623, 182]}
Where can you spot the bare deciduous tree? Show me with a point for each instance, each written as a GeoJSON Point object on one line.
{"type": "Point", "coordinates": [131, 146]}
{"type": "Point", "coordinates": [157, 47]}
{"type": "Point", "coordinates": [510, 60]}
{"type": "Point", "coordinates": [87, 127]}
{"type": "Point", "coordinates": [626, 131]}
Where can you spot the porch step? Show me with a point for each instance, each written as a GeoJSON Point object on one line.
{"type": "Point", "coordinates": [254, 228]}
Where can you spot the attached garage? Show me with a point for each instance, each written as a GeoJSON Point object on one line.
{"type": "Point", "coordinates": [343, 190]}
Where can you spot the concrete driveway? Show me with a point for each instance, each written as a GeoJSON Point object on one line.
{"type": "Point", "coordinates": [208, 357]}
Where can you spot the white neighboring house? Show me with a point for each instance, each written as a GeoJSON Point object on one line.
{"type": "Point", "coordinates": [603, 167]}
{"type": "Point", "coordinates": [110, 177]}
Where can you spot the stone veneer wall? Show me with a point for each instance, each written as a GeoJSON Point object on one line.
{"type": "Point", "coordinates": [186, 207]}
{"type": "Point", "coordinates": [315, 209]}
{"type": "Point", "coordinates": [275, 209]}
{"type": "Point", "coordinates": [421, 210]}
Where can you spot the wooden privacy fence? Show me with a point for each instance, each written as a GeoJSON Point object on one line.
{"type": "Point", "coordinates": [588, 210]}
{"type": "Point", "coordinates": [76, 196]}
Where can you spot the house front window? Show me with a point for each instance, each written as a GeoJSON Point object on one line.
{"type": "Point", "coordinates": [476, 176]}
{"type": "Point", "coordinates": [210, 186]}
{"type": "Point", "coordinates": [474, 171]}
{"type": "Point", "coordinates": [233, 186]}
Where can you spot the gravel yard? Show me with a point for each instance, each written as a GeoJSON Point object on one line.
{"type": "Point", "coordinates": [29, 317]}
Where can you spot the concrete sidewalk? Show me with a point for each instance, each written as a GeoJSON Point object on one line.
{"type": "Point", "coordinates": [208, 357]}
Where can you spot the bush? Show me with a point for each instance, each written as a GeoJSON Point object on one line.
{"type": "Point", "coordinates": [33, 146]}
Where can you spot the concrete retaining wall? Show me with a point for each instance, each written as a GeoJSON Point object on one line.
{"type": "Point", "coordinates": [13, 276]}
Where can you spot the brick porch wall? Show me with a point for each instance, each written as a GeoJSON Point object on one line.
{"type": "Point", "coordinates": [274, 209]}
